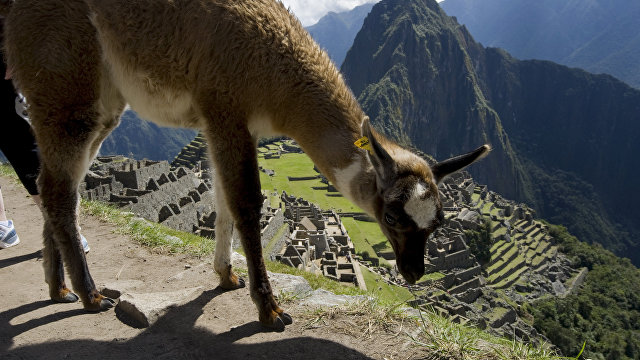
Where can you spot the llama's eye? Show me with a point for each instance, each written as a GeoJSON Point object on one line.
{"type": "Point", "coordinates": [390, 220]}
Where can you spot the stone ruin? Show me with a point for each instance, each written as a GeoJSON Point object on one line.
{"type": "Point", "coordinates": [318, 243]}
{"type": "Point", "coordinates": [175, 197]}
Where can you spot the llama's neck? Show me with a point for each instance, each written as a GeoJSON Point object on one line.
{"type": "Point", "coordinates": [327, 136]}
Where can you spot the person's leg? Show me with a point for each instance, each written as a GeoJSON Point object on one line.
{"type": "Point", "coordinates": [3, 214]}
{"type": "Point", "coordinates": [8, 235]}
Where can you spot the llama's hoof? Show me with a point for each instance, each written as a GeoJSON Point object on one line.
{"type": "Point", "coordinates": [68, 298]}
{"type": "Point", "coordinates": [233, 283]}
{"type": "Point", "coordinates": [107, 303]}
{"type": "Point", "coordinates": [278, 322]}
{"type": "Point", "coordinates": [100, 303]}
{"type": "Point", "coordinates": [286, 318]}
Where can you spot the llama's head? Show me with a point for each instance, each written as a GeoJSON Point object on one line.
{"type": "Point", "coordinates": [407, 204]}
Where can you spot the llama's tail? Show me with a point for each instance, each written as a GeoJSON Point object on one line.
{"type": "Point", "coordinates": [5, 6]}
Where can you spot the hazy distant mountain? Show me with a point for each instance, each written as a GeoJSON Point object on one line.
{"type": "Point", "coordinates": [565, 141]}
{"type": "Point", "coordinates": [140, 139]}
{"type": "Point", "coordinates": [601, 36]}
{"type": "Point", "coordinates": [335, 31]}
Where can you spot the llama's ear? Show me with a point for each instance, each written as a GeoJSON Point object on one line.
{"type": "Point", "coordinates": [382, 162]}
{"type": "Point", "coordinates": [449, 166]}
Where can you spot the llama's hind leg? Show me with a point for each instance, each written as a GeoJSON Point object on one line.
{"type": "Point", "coordinates": [236, 165]}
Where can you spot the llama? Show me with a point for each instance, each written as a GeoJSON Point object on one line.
{"type": "Point", "coordinates": [237, 70]}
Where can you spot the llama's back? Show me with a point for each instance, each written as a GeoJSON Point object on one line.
{"type": "Point", "coordinates": [249, 48]}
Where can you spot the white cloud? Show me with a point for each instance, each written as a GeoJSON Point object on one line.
{"type": "Point", "coordinates": [310, 11]}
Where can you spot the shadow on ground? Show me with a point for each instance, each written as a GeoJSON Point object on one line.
{"type": "Point", "coordinates": [173, 336]}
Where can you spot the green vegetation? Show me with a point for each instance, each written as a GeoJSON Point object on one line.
{"type": "Point", "coordinates": [605, 312]}
{"type": "Point", "coordinates": [480, 242]}
{"type": "Point", "coordinates": [434, 337]}
{"type": "Point", "coordinates": [368, 238]}
{"type": "Point", "coordinates": [376, 285]}
{"type": "Point", "coordinates": [299, 165]}
{"type": "Point", "coordinates": [148, 233]}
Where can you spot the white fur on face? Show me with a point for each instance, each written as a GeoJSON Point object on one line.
{"type": "Point", "coordinates": [422, 211]}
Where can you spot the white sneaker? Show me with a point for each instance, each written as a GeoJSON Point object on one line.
{"type": "Point", "coordinates": [85, 244]}
{"type": "Point", "coordinates": [8, 235]}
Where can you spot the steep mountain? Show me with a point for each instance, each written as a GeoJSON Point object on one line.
{"type": "Point", "coordinates": [600, 36]}
{"type": "Point", "coordinates": [141, 139]}
{"type": "Point", "coordinates": [564, 140]}
{"type": "Point", "coordinates": [335, 31]}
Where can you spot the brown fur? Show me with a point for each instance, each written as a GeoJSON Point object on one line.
{"type": "Point", "coordinates": [230, 68]}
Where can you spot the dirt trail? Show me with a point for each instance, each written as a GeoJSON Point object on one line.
{"type": "Point", "coordinates": [217, 324]}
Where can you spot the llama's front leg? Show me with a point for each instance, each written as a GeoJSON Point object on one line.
{"type": "Point", "coordinates": [236, 165]}
{"type": "Point", "coordinates": [62, 242]}
{"type": "Point", "coordinates": [53, 269]}
{"type": "Point", "coordinates": [224, 241]}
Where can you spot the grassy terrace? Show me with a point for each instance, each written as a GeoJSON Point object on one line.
{"type": "Point", "coordinates": [475, 198]}
{"type": "Point", "coordinates": [501, 231]}
{"type": "Point", "coordinates": [497, 247]}
{"type": "Point", "coordinates": [299, 165]}
{"type": "Point", "coordinates": [511, 279]}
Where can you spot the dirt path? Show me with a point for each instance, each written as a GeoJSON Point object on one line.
{"type": "Point", "coordinates": [218, 325]}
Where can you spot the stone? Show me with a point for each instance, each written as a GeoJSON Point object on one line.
{"type": "Point", "coordinates": [189, 270]}
{"type": "Point", "coordinates": [115, 289]}
{"type": "Point", "coordinates": [238, 260]}
{"type": "Point", "coordinates": [285, 283]}
{"type": "Point", "coordinates": [558, 288]}
{"type": "Point", "coordinates": [144, 309]}
{"type": "Point", "coordinates": [324, 298]}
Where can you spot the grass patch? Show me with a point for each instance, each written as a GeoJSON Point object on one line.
{"type": "Point", "coordinates": [381, 289]}
{"type": "Point", "coordinates": [434, 276]}
{"type": "Point", "coordinates": [7, 171]}
{"type": "Point", "coordinates": [299, 165]}
{"type": "Point", "coordinates": [269, 248]}
{"type": "Point", "coordinates": [315, 281]}
{"type": "Point", "coordinates": [433, 337]}
{"type": "Point", "coordinates": [156, 236]}
{"type": "Point", "coordinates": [367, 236]}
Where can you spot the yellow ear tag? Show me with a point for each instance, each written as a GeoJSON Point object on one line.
{"type": "Point", "coordinates": [363, 143]}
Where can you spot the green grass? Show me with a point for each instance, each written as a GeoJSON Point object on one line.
{"type": "Point", "coordinates": [7, 171]}
{"type": "Point", "coordinates": [434, 276]}
{"type": "Point", "coordinates": [381, 289]}
{"type": "Point", "coordinates": [512, 264]}
{"type": "Point", "coordinates": [446, 340]}
{"type": "Point", "coordinates": [501, 231]}
{"type": "Point", "coordinates": [148, 233]}
{"type": "Point", "coordinates": [367, 236]}
{"type": "Point", "coordinates": [299, 165]}
{"type": "Point", "coordinates": [269, 248]}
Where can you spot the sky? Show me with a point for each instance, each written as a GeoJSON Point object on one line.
{"type": "Point", "coordinates": [310, 11]}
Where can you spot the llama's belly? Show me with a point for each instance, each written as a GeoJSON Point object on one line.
{"type": "Point", "coordinates": [164, 107]}
{"type": "Point", "coordinates": [151, 99]}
